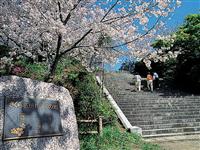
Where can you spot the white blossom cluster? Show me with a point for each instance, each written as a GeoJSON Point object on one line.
{"type": "Point", "coordinates": [5, 61]}
{"type": "Point", "coordinates": [164, 53]}
{"type": "Point", "coordinates": [52, 28]}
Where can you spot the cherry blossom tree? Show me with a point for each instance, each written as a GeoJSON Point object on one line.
{"type": "Point", "coordinates": [55, 28]}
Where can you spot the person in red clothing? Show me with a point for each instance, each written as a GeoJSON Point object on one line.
{"type": "Point", "coordinates": [150, 82]}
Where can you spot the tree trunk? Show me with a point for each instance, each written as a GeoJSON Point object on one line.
{"type": "Point", "coordinates": [52, 69]}
{"type": "Point", "coordinates": [53, 66]}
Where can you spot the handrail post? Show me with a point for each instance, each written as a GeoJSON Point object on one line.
{"type": "Point", "coordinates": [100, 128]}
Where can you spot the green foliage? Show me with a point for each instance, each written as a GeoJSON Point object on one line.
{"type": "Point", "coordinates": [141, 68]}
{"type": "Point", "coordinates": [89, 103]}
{"type": "Point", "coordinates": [89, 97]}
{"type": "Point", "coordinates": [73, 76]}
{"type": "Point", "coordinates": [4, 71]}
{"type": "Point", "coordinates": [32, 70]}
{"type": "Point", "coordinates": [158, 44]}
{"type": "Point", "coordinates": [67, 66]}
{"type": "Point", "coordinates": [185, 70]}
{"type": "Point", "coordinates": [104, 40]}
{"type": "Point", "coordinates": [187, 37]}
{"type": "Point", "coordinates": [158, 67]}
{"type": "Point", "coordinates": [169, 69]}
{"type": "Point", "coordinates": [128, 65]}
{"type": "Point", "coordinates": [188, 62]}
{"type": "Point", "coordinates": [4, 51]}
{"type": "Point", "coordinates": [109, 116]}
{"type": "Point", "coordinates": [147, 146]}
{"type": "Point", "coordinates": [114, 139]}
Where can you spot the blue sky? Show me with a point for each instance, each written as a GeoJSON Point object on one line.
{"type": "Point", "coordinates": [187, 7]}
{"type": "Point", "coordinates": [176, 19]}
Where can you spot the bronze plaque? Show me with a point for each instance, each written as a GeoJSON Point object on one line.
{"type": "Point", "coordinates": [31, 117]}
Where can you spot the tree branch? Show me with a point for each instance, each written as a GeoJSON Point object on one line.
{"type": "Point", "coordinates": [109, 10]}
{"type": "Point", "coordinates": [59, 42]}
{"type": "Point", "coordinates": [69, 14]}
{"type": "Point", "coordinates": [125, 43]}
{"type": "Point", "coordinates": [59, 9]}
{"type": "Point", "coordinates": [111, 20]}
{"type": "Point", "coordinates": [76, 43]}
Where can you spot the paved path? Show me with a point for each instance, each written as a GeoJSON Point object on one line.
{"type": "Point", "coordinates": [180, 145]}
{"type": "Point", "coordinates": [188, 142]}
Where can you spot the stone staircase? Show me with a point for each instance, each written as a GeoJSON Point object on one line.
{"type": "Point", "coordinates": [161, 113]}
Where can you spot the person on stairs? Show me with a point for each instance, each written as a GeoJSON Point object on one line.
{"type": "Point", "coordinates": [150, 82]}
{"type": "Point", "coordinates": [155, 80]}
{"type": "Point", "coordinates": [138, 81]}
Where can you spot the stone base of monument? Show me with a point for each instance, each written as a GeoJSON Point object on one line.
{"type": "Point", "coordinates": [36, 116]}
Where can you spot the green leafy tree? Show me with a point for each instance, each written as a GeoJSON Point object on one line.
{"type": "Point", "coordinates": [128, 65]}
{"type": "Point", "coordinates": [184, 70]}
{"type": "Point", "coordinates": [188, 62]}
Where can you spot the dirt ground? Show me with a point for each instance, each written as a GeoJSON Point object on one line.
{"type": "Point", "coordinates": [180, 145]}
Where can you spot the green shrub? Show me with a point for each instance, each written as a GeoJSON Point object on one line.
{"type": "Point", "coordinates": [35, 71]}
{"type": "Point", "coordinates": [115, 139]}
{"type": "Point", "coordinates": [109, 116]}
{"type": "Point", "coordinates": [147, 146]}
{"type": "Point", "coordinates": [170, 71]}
{"type": "Point", "coordinates": [88, 100]}
{"type": "Point", "coordinates": [4, 51]}
{"type": "Point", "coordinates": [89, 103]}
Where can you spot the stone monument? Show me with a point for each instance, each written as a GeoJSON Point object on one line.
{"type": "Point", "coordinates": [36, 115]}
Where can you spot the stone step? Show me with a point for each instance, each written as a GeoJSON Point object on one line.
{"type": "Point", "coordinates": [146, 106]}
{"type": "Point", "coordinates": [160, 109]}
{"type": "Point", "coordinates": [171, 130]}
{"type": "Point", "coordinates": [129, 90]}
{"type": "Point", "coordinates": [162, 101]}
{"type": "Point", "coordinates": [171, 135]}
{"type": "Point", "coordinates": [160, 122]}
{"type": "Point", "coordinates": [139, 110]}
{"type": "Point", "coordinates": [161, 113]}
{"type": "Point", "coordinates": [157, 114]}
{"type": "Point", "coordinates": [172, 125]}
{"type": "Point", "coordinates": [155, 111]}
{"type": "Point", "coordinates": [162, 118]}
{"type": "Point", "coordinates": [154, 99]}
{"type": "Point", "coordinates": [129, 95]}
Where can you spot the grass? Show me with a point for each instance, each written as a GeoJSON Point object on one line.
{"type": "Point", "coordinates": [114, 138]}
{"type": "Point", "coordinates": [35, 71]}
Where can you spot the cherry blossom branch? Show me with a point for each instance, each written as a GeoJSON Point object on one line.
{"type": "Point", "coordinates": [76, 43]}
{"type": "Point", "coordinates": [112, 20]}
{"type": "Point", "coordinates": [11, 39]}
{"type": "Point", "coordinates": [125, 43]}
{"type": "Point", "coordinates": [109, 10]}
{"type": "Point", "coordinates": [59, 43]}
{"type": "Point", "coordinates": [69, 14]}
{"type": "Point", "coordinates": [59, 9]}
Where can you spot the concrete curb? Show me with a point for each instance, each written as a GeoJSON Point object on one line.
{"type": "Point", "coordinates": [120, 114]}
